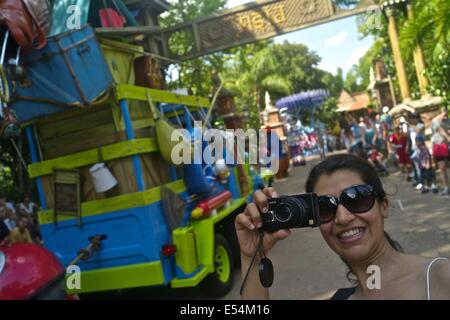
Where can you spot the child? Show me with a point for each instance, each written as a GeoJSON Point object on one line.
{"type": "Point", "coordinates": [426, 171]}
{"type": "Point", "coordinates": [376, 159]}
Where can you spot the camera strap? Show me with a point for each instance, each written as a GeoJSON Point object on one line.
{"type": "Point", "coordinates": [266, 273]}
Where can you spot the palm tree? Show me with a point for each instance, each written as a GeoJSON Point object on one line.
{"type": "Point", "coordinates": [430, 27]}
{"type": "Point", "coordinates": [252, 77]}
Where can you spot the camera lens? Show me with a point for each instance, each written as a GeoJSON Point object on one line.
{"type": "Point", "coordinates": [291, 210]}
{"type": "Point", "coordinates": [283, 213]}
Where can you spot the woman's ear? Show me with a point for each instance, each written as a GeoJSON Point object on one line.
{"type": "Point", "coordinates": [384, 208]}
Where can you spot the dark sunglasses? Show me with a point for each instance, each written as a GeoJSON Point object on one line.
{"type": "Point", "coordinates": [356, 199]}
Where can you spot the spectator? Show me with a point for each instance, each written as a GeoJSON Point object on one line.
{"type": "Point", "coordinates": [426, 170]}
{"type": "Point", "coordinates": [346, 132]}
{"type": "Point", "coordinates": [6, 215]}
{"type": "Point", "coordinates": [10, 206]}
{"type": "Point", "coordinates": [441, 140]}
{"type": "Point", "coordinates": [377, 160]}
{"type": "Point", "coordinates": [4, 233]}
{"type": "Point", "coordinates": [399, 141]}
{"type": "Point", "coordinates": [20, 234]}
{"type": "Point", "coordinates": [415, 125]}
{"type": "Point", "coordinates": [357, 133]}
{"type": "Point", "coordinates": [370, 134]}
{"type": "Point", "coordinates": [27, 206]}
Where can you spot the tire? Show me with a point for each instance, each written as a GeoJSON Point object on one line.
{"type": "Point", "coordinates": [219, 283]}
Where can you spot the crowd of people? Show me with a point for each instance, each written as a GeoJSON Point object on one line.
{"type": "Point", "coordinates": [405, 145]}
{"type": "Point", "coordinates": [18, 222]}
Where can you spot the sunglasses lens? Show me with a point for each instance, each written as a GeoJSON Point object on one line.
{"type": "Point", "coordinates": [358, 199]}
{"type": "Point", "coordinates": [327, 208]}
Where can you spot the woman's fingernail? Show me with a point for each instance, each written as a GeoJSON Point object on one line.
{"type": "Point", "coordinates": [259, 225]}
{"type": "Point", "coordinates": [251, 227]}
{"type": "Point", "coordinates": [274, 195]}
{"type": "Point", "coordinates": [264, 210]}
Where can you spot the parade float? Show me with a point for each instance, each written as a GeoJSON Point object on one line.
{"type": "Point", "coordinates": [303, 140]}
{"type": "Point", "coordinates": [113, 202]}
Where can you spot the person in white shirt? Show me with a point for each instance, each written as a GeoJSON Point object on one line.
{"type": "Point", "coordinates": [27, 206]}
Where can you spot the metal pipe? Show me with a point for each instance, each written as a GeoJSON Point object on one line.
{"type": "Point", "coordinates": [130, 136]}
{"type": "Point", "coordinates": [34, 159]}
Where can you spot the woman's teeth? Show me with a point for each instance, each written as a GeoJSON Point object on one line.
{"type": "Point", "coordinates": [350, 233]}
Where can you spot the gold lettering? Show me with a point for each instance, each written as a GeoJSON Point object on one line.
{"type": "Point", "coordinates": [244, 22]}
{"type": "Point", "coordinates": [257, 22]}
{"type": "Point", "coordinates": [278, 14]}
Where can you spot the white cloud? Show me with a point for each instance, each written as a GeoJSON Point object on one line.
{"type": "Point", "coordinates": [336, 39]}
{"type": "Point", "coordinates": [356, 54]}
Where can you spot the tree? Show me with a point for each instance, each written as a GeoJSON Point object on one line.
{"type": "Point", "coordinates": [195, 74]}
{"type": "Point", "coordinates": [430, 28]}
{"type": "Point", "coordinates": [254, 71]}
{"type": "Point", "coordinates": [281, 69]}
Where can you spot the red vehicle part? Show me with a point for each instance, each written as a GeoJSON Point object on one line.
{"type": "Point", "coordinates": [29, 271]}
{"type": "Point", "coordinates": [204, 208]}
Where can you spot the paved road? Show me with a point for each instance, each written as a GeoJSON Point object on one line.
{"type": "Point", "coordinates": [305, 268]}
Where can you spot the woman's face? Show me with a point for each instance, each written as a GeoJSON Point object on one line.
{"type": "Point", "coordinates": [370, 225]}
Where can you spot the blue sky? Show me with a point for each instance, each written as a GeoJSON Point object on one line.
{"type": "Point", "coordinates": [337, 43]}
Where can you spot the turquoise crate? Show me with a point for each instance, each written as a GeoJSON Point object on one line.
{"type": "Point", "coordinates": [70, 71]}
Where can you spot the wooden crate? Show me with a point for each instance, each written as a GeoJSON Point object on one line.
{"type": "Point", "coordinates": [120, 57]}
{"type": "Point", "coordinates": [89, 129]}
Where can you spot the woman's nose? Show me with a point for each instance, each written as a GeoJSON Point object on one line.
{"type": "Point", "coordinates": [343, 216]}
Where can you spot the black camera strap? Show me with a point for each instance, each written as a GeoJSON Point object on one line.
{"type": "Point", "coordinates": [266, 273]}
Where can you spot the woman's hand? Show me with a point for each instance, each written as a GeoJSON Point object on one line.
{"type": "Point", "coordinates": [248, 223]}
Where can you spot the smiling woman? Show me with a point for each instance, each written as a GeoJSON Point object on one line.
{"type": "Point", "coordinates": [352, 208]}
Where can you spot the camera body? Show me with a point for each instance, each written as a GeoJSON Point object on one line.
{"type": "Point", "coordinates": [287, 212]}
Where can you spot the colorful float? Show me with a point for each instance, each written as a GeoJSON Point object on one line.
{"type": "Point", "coordinates": [100, 140]}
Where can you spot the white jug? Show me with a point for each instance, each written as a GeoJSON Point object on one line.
{"type": "Point", "coordinates": [102, 178]}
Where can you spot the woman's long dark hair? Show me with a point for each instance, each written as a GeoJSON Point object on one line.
{"type": "Point", "coordinates": [364, 170]}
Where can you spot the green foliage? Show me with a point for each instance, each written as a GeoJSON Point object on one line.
{"type": "Point", "coordinates": [195, 74]}
{"type": "Point", "coordinates": [431, 29]}
{"type": "Point", "coordinates": [280, 69]}
{"type": "Point", "coordinates": [328, 114]}
{"type": "Point", "coordinates": [7, 181]}
{"type": "Point", "coordinates": [247, 71]}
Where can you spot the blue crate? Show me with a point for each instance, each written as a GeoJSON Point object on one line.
{"type": "Point", "coordinates": [70, 71]}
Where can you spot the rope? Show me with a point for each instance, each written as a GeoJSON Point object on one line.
{"type": "Point", "coordinates": [19, 154]}
{"type": "Point", "coordinates": [213, 102]}
{"type": "Point", "coordinates": [86, 253]}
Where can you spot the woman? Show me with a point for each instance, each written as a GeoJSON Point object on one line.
{"type": "Point", "coordinates": [441, 140]}
{"type": "Point", "coordinates": [358, 239]}
{"type": "Point", "coordinates": [358, 141]}
{"type": "Point", "coordinates": [399, 141]}
{"type": "Point", "coordinates": [370, 134]}
{"type": "Point", "coordinates": [345, 131]}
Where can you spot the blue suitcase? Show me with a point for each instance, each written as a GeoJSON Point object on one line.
{"type": "Point", "coordinates": [70, 71]}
